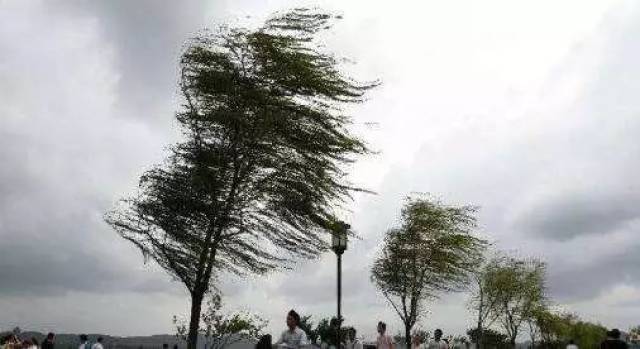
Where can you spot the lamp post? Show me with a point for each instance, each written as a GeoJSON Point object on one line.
{"type": "Point", "coordinates": [339, 245]}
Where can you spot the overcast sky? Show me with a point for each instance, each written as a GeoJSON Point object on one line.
{"type": "Point", "coordinates": [528, 109]}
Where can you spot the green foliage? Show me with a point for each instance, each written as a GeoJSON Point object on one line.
{"type": "Point", "coordinates": [433, 251]}
{"type": "Point", "coordinates": [220, 330]}
{"type": "Point", "coordinates": [307, 326]}
{"type": "Point", "coordinates": [586, 334]}
{"type": "Point", "coordinates": [327, 331]}
{"type": "Point", "coordinates": [519, 289]}
{"type": "Point", "coordinates": [490, 338]}
{"type": "Point", "coordinates": [483, 298]}
{"type": "Point", "coordinates": [259, 175]}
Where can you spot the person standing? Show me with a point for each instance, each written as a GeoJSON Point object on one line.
{"type": "Point", "coordinates": [49, 342]}
{"type": "Point", "coordinates": [84, 342]}
{"type": "Point", "coordinates": [613, 341]}
{"type": "Point", "coordinates": [384, 341]}
{"type": "Point", "coordinates": [98, 344]}
{"type": "Point", "coordinates": [437, 342]}
{"type": "Point", "coordinates": [294, 337]}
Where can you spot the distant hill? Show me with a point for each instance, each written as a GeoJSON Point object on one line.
{"type": "Point", "coordinates": [71, 341]}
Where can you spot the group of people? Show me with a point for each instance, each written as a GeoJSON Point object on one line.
{"type": "Point", "coordinates": [12, 341]}
{"type": "Point", "coordinates": [295, 338]}
{"type": "Point", "coordinates": [385, 341]}
{"type": "Point", "coordinates": [86, 344]}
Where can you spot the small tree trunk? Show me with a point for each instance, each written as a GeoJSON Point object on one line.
{"type": "Point", "coordinates": [480, 310]}
{"type": "Point", "coordinates": [407, 335]}
{"type": "Point", "coordinates": [194, 322]}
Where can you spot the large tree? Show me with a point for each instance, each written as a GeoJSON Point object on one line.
{"type": "Point", "coordinates": [431, 252]}
{"type": "Point", "coordinates": [519, 288]}
{"type": "Point", "coordinates": [260, 172]}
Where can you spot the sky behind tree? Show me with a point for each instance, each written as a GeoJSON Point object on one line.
{"type": "Point", "coordinates": [528, 110]}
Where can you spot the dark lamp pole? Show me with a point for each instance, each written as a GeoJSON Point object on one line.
{"type": "Point", "coordinates": [339, 245]}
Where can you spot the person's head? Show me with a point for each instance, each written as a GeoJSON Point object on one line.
{"type": "Point", "coordinates": [416, 339]}
{"type": "Point", "coordinates": [165, 345]}
{"type": "Point", "coordinates": [615, 333]}
{"type": "Point", "coordinates": [35, 341]}
{"type": "Point", "coordinates": [83, 338]}
{"type": "Point", "coordinates": [293, 319]}
{"type": "Point", "coordinates": [100, 339]}
{"type": "Point", "coordinates": [571, 341]}
{"type": "Point", "coordinates": [382, 327]}
{"type": "Point", "coordinates": [437, 334]}
{"type": "Point", "coordinates": [264, 342]}
{"type": "Point", "coordinates": [51, 336]}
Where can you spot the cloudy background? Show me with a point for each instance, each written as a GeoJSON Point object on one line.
{"type": "Point", "coordinates": [527, 109]}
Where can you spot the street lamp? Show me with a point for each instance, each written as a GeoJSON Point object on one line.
{"type": "Point", "coordinates": [339, 245]}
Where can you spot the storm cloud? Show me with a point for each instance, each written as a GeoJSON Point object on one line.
{"type": "Point", "coordinates": [480, 105]}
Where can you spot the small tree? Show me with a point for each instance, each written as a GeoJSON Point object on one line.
{"type": "Point", "coordinates": [220, 330]}
{"type": "Point", "coordinates": [489, 339]}
{"type": "Point", "coordinates": [519, 286]}
{"type": "Point", "coordinates": [307, 326]}
{"type": "Point", "coordinates": [431, 252]}
{"type": "Point", "coordinates": [483, 299]}
{"type": "Point", "coordinates": [327, 330]}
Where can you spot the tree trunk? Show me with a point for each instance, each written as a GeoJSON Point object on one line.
{"type": "Point", "coordinates": [513, 342]}
{"type": "Point", "coordinates": [407, 335]}
{"type": "Point", "coordinates": [194, 322]}
{"type": "Point", "coordinates": [479, 328]}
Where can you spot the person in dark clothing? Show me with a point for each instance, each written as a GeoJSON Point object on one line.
{"type": "Point", "coordinates": [49, 342]}
{"type": "Point", "coordinates": [264, 342]}
{"type": "Point", "coordinates": [613, 341]}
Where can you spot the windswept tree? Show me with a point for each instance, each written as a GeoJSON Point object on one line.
{"type": "Point", "coordinates": [519, 288]}
{"type": "Point", "coordinates": [432, 251]}
{"type": "Point", "coordinates": [484, 298]}
{"type": "Point", "coordinates": [257, 179]}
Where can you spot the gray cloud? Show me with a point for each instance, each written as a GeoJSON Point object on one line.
{"type": "Point", "coordinates": [147, 37]}
{"type": "Point", "coordinates": [61, 161]}
{"type": "Point", "coordinates": [88, 97]}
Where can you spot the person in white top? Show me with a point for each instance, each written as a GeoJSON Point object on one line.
{"type": "Point", "coordinates": [384, 341]}
{"type": "Point", "coordinates": [437, 342]}
{"type": "Point", "coordinates": [84, 342]}
{"type": "Point", "coordinates": [98, 344]}
{"type": "Point", "coordinates": [294, 337]}
{"type": "Point", "coordinates": [572, 345]}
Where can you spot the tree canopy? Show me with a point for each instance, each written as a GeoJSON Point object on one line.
{"type": "Point", "coordinates": [260, 173]}
{"type": "Point", "coordinates": [518, 286]}
{"type": "Point", "coordinates": [431, 252]}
